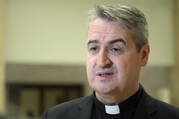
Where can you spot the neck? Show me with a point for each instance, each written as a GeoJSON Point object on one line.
{"type": "Point", "coordinates": [116, 97]}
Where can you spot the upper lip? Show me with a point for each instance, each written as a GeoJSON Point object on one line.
{"type": "Point", "coordinates": [103, 72]}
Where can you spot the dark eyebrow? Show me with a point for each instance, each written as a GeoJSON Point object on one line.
{"type": "Point", "coordinates": [111, 42]}
{"type": "Point", "coordinates": [118, 40]}
{"type": "Point", "coordinates": [93, 41]}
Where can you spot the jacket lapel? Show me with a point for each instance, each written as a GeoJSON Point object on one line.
{"type": "Point", "coordinates": [146, 109]}
{"type": "Point", "coordinates": [85, 108]}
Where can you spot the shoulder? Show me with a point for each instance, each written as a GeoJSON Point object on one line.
{"type": "Point", "coordinates": [160, 109]}
{"type": "Point", "coordinates": [152, 107]}
{"type": "Point", "coordinates": [165, 108]}
{"type": "Point", "coordinates": [67, 104]}
{"type": "Point", "coordinates": [66, 108]}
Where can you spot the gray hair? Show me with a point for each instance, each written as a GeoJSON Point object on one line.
{"type": "Point", "coordinates": [127, 16]}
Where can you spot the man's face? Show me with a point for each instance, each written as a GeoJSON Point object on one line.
{"type": "Point", "coordinates": [113, 64]}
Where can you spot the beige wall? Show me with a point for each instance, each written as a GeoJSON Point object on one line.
{"type": "Point", "coordinates": [177, 56]}
{"type": "Point", "coordinates": [2, 81]}
{"type": "Point", "coordinates": [174, 82]}
{"type": "Point", "coordinates": [54, 31]}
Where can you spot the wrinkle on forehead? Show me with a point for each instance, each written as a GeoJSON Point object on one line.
{"type": "Point", "coordinates": [104, 29]}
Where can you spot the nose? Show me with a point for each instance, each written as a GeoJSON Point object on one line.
{"type": "Point", "coordinates": [103, 59]}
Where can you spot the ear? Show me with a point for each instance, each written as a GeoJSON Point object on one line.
{"type": "Point", "coordinates": [144, 54]}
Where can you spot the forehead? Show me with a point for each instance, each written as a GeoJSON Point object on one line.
{"type": "Point", "coordinates": [104, 30]}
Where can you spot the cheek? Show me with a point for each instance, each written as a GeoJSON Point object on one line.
{"type": "Point", "coordinates": [123, 69]}
{"type": "Point", "coordinates": [91, 63]}
{"type": "Point", "coordinates": [125, 62]}
{"type": "Point", "coordinates": [127, 69]}
{"type": "Point", "coordinates": [120, 64]}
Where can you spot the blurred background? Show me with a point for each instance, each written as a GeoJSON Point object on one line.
{"type": "Point", "coordinates": [43, 48]}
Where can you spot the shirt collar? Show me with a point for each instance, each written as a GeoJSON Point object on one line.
{"type": "Point", "coordinates": [124, 106]}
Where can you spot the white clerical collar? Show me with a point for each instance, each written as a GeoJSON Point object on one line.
{"type": "Point", "coordinates": [112, 109]}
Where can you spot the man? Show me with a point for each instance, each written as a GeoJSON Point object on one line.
{"type": "Point", "coordinates": [117, 49]}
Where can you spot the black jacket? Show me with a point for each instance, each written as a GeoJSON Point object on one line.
{"type": "Point", "coordinates": [148, 108]}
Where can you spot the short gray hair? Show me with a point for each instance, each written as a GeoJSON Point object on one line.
{"type": "Point", "coordinates": [128, 16]}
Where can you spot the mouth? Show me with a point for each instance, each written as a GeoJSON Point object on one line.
{"type": "Point", "coordinates": [104, 74]}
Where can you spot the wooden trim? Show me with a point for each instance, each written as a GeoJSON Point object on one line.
{"type": "Point", "coordinates": [41, 88]}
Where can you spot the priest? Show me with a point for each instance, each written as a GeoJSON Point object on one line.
{"type": "Point", "coordinates": [117, 49]}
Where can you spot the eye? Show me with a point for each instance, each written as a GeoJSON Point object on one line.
{"type": "Point", "coordinates": [115, 50]}
{"type": "Point", "coordinates": [93, 49]}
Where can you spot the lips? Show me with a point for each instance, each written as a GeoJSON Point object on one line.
{"type": "Point", "coordinates": [104, 74]}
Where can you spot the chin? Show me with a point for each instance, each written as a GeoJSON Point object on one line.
{"type": "Point", "coordinates": [103, 90]}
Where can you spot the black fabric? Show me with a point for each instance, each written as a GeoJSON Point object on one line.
{"type": "Point", "coordinates": [127, 107]}
{"type": "Point", "coordinates": [147, 108]}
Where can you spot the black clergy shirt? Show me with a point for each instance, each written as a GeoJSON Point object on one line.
{"type": "Point", "coordinates": [127, 107]}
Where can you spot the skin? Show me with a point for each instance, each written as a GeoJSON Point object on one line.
{"type": "Point", "coordinates": [113, 63]}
